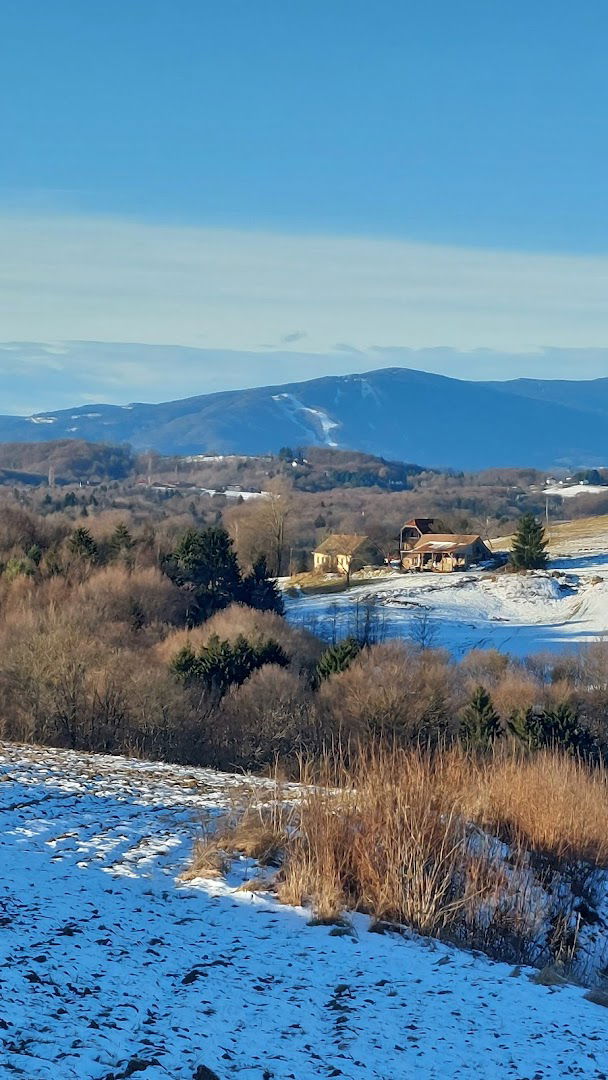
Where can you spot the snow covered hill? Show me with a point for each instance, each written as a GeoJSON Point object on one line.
{"type": "Point", "coordinates": [110, 968]}
{"type": "Point", "coordinates": [555, 610]}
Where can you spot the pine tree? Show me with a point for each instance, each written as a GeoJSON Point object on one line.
{"type": "Point", "coordinates": [561, 728]}
{"type": "Point", "coordinates": [529, 545]}
{"type": "Point", "coordinates": [526, 727]}
{"type": "Point", "coordinates": [81, 543]}
{"type": "Point", "coordinates": [260, 591]}
{"type": "Point", "coordinates": [222, 664]}
{"type": "Point", "coordinates": [137, 618]}
{"type": "Point", "coordinates": [34, 554]}
{"type": "Point", "coordinates": [536, 728]}
{"type": "Point", "coordinates": [204, 565]}
{"type": "Point", "coordinates": [479, 723]}
{"type": "Point", "coordinates": [337, 658]}
{"type": "Point", "coordinates": [121, 539]}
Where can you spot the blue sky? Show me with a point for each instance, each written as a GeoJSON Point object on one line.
{"type": "Point", "coordinates": [456, 134]}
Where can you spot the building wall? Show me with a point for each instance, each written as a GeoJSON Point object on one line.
{"type": "Point", "coordinates": [323, 562]}
{"type": "Point", "coordinates": [446, 564]}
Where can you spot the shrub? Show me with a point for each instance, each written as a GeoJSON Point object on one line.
{"type": "Point", "coordinates": [479, 722]}
{"type": "Point", "coordinates": [337, 658]}
{"type": "Point", "coordinates": [300, 646]}
{"type": "Point", "coordinates": [222, 664]}
{"type": "Point", "coordinates": [115, 595]}
{"type": "Point", "coordinates": [392, 690]}
{"type": "Point", "coordinates": [271, 717]}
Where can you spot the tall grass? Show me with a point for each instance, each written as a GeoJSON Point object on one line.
{"type": "Point", "coordinates": [451, 845]}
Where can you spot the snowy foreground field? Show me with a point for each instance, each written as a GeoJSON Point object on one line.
{"type": "Point", "coordinates": [110, 968]}
{"type": "Point", "coordinates": [556, 610]}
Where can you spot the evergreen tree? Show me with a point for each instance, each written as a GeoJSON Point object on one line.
{"type": "Point", "coordinates": [260, 591]}
{"type": "Point", "coordinates": [137, 619]}
{"type": "Point", "coordinates": [204, 564]}
{"type": "Point", "coordinates": [121, 539]}
{"type": "Point", "coordinates": [561, 728]}
{"type": "Point", "coordinates": [479, 722]}
{"type": "Point", "coordinates": [337, 658]}
{"type": "Point", "coordinates": [81, 543]}
{"type": "Point", "coordinates": [526, 727]}
{"type": "Point", "coordinates": [222, 664]}
{"type": "Point", "coordinates": [34, 553]}
{"type": "Point", "coordinates": [536, 728]}
{"type": "Point", "coordinates": [529, 545]}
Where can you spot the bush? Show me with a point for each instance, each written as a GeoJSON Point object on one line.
{"type": "Point", "coordinates": [394, 691]}
{"type": "Point", "coordinates": [271, 716]}
{"type": "Point", "coordinates": [479, 722]}
{"type": "Point", "coordinates": [222, 664]}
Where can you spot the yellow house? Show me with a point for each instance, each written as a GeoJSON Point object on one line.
{"type": "Point", "coordinates": [344, 553]}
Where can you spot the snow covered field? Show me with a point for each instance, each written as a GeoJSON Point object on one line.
{"type": "Point", "coordinates": [110, 968]}
{"type": "Point", "coordinates": [570, 491]}
{"type": "Point", "coordinates": [555, 610]}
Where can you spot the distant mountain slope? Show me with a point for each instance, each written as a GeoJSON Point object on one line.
{"type": "Point", "coordinates": [396, 412]}
{"type": "Point", "coordinates": [590, 395]}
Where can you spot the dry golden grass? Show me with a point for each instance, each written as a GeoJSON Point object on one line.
{"type": "Point", "coordinates": [411, 837]}
{"type": "Point", "coordinates": [555, 804]}
{"type": "Point", "coordinates": [209, 859]}
{"type": "Point", "coordinates": [444, 843]}
{"type": "Point", "coordinates": [387, 840]}
{"type": "Point", "coordinates": [585, 528]}
{"type": "Point", "coordinates": [252, 829]}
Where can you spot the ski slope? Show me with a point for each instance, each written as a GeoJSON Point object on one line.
{"type": "Point", "coordinates": [109, 967]}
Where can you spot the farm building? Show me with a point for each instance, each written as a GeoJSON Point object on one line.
{"type": "Point", "coordinates": [445, 552]}
{"type": "Point", "coordinates": [344, 553]}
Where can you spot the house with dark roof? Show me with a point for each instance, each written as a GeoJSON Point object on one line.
{"type": "Point", "coordinates": [413, 531]}
{"type": "Point", "coordinates": [445, 552]}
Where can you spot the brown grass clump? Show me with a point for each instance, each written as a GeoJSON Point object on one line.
{"type": "Point", "coordinates": [554, 803]}
{"type": "Point", "coordinates": [252, 830]}
{"type": "Point", "coordinates": [209, 859]}
{"type": "Point", "coordinates": [387, 841]}
{"type": "Point", "coordinates": [417, 839]}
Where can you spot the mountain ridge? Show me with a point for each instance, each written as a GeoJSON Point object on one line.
{"type": "Point", "coordinates": [395, 412]}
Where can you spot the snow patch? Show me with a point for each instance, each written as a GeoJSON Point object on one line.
{"type": "Point", "coordinates": [572, 490]}
{"type": "Point", "coordinates": [322, 425]}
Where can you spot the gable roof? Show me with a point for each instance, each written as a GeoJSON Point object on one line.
{"type": "Point", "coordinates": [424, 525]}
{"type": "Point", "coordinates": [448, 542]}
{"type": "Point", "coordinates": [342, 544]}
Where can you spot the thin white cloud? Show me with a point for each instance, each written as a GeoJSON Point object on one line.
{"type": "Point", "coordinates": [96, 279]}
